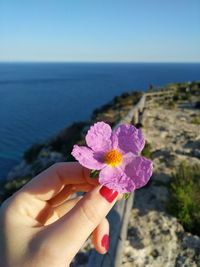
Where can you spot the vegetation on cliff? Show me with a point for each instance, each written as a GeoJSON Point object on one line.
{"type": "Point", "coordinates": [184, 200]}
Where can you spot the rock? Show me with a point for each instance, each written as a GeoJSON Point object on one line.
{"type": "Point", "coordinates": [157, 239]}
{"type": "Point", "coordinates": [164, 134]}
{"type": "Point", "coordinates": [189, 254]}
{"type": "Point", "coordinates": [153, 239]}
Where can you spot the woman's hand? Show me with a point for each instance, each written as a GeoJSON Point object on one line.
{"type": "Point", "coordinates": [39, 227]}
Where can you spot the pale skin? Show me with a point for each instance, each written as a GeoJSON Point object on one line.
{"type": "Point", "coordinates": [40, 226]}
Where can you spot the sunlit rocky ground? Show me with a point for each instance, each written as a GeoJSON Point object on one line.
{"type": "Point", "coordinates": [156, 239]}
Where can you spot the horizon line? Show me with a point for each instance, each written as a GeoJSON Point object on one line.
{"type": "Point", "coordinates": [109, 62]}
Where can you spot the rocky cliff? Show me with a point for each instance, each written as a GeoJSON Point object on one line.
{"type": "Point", "coordinates": [157, 237]}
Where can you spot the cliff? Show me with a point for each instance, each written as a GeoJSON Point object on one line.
{"type": "Point", "coordinates": [164, 221]}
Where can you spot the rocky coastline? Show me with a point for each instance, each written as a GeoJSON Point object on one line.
{"type": "Point", "coordinates": [155, 237]}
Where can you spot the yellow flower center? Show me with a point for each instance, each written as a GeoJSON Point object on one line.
{"type": "Point", "coordinates": [113, 158]}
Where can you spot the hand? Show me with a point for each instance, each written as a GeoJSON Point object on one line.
{"type": "Point", "coordinates": [39, 228]}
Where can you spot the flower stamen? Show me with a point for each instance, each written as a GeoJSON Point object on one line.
{"type": "Point", "coordinates": [113, 158]}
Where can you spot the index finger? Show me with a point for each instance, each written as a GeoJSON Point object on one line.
{"type": "Point", "coordinates": [51, 181]}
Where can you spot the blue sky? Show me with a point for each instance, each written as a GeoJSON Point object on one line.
{"type": "Point", "coordinates": [100, 30]}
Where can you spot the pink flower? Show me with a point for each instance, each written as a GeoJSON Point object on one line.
{"type": "Point", "coordinates": [116, 155]}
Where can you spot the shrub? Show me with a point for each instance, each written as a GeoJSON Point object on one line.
{"type": "Point", "coordinates": [146, 152]}
{"type": "Point", "coordinates": [171, 105]}
{"type": "Point", "coordinates": [184, 199]}
{"type": "Point", "coordinates": [196, 119]}
{"type": "Point", "coordinates": [31, 154]}
{"type": "Point", "coordinates": [176, 97]}
{"type": "Point", "coordinates": [64, 141]}
{"type": "Point", "coordinates": [186, 96]}
{"type": "Point", "coordinates": [197, 105]}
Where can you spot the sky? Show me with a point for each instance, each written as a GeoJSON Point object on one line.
{"type": "Point", "coordinates": [100, 30]}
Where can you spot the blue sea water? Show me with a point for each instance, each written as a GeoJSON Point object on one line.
{"type": "Point", "coordinates": [39, 99]}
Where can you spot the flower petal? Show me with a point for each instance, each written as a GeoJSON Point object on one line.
{"type": "Point", "coordinates": [87, 157]}
{"type": "Point", "coordinates": [99, 137]}
{"type": "Point", "coordinates": [114, 141]}
{"type": "Point", "coordinates": [130, 139]}
{"type": "Point", "coordinates": [139, 170]}
{"type": "Point", "coordinates": [116, 179]}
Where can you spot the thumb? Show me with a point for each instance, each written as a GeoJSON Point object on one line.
{"type": "Point", "coordinates": [68, 234]}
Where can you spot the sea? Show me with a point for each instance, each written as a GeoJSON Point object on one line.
{"type": "Point", "coordinates": [39, 99]}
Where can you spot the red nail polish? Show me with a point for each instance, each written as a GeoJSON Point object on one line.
{"type": "Point", "coordinates": [105, 242]}
{"type": "Point", "coordinates": [108, 194]}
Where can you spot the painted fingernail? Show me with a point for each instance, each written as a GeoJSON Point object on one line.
{"type": "Point", "coordinates": [105, 242]}
{"type": "Point", "coordinates": [108, 194]}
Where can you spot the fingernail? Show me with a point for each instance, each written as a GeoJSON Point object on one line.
{"type": "Point", "coordinates": [108, 194]}
{"type": "Point", "coordinates": [105, 242]}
